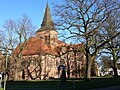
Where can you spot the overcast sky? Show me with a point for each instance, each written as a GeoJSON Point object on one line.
{"type": "Point", "coordinates": [34, 9]}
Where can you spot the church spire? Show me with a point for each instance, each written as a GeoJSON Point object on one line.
{"type": "Point", "coordinates": [47, 20]}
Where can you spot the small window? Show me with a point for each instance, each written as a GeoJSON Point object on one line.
{"type": "Point", "coordinates": [45, 39]}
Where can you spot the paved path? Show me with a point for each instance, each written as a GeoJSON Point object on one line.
{"type": "Point", "coordinates": [109, 88]}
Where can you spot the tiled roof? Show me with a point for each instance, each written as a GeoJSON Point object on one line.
{"type": "Point", "coordinates": [34, 46]}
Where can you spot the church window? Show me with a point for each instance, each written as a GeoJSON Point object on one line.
{"type": "Point", "coordinates": [45, 39]}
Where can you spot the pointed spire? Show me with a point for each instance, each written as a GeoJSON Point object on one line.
{"type": "Point", "coordinates": [47, 20]}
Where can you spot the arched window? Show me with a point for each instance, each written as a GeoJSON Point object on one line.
{"type": "Point", "coordinates": [45, 39]}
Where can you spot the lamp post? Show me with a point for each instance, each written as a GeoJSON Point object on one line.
{"type": "Point", "coordinates": [5, 70]}
{"type": "Point", "coordinates": [5, 50]}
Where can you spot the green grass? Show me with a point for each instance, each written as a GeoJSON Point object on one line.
{"type": "Point", "coordinates": [1, 88]}
{"type": "Point", "coordinates": [80, 84]}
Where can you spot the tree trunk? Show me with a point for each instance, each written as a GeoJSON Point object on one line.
{"type": "Point", "coordinates": [68, 67]}
{"type": "Point", "coordinates": [115, 68]}
{"type": "Point", "coordinates": [115, 72]}
{"type": "Point", "coordinates": [88, 67]}
{"type": "Point", "coordinates": [68, 71]}
{"type": "Point", "coordinates": [89, 60]}
{"type": "Point", "coordinates": [23, 74]}
{"type": "Point", "coordinates": [29, 74]}
{"type": "Point", "coordinates": [115, 64]}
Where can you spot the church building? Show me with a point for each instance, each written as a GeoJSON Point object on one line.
{"type": "Point", "coordinates": [40, 51]}
{"type": "Point", "coordinates": [44, 54]}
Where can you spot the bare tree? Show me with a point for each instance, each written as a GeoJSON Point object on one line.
{"type": "Point", "coordinates": [23, 29]}
{"type": "Point", "coordinates": [8, 43]}
{"type": "Point", "coordinates": [82, 19]}
{"type": "Point", "coordinates": [105, 63]}
{"type": "Point", "coordinates": [64, 54]}
{"type": "Point", "coordinates": [14, 32]}
{"type": "Point", "coordinates": [111, 27]}
{"type": "Point", "coordinates": [9, 38]}
{"type": "Point", "coordinates": [69, 56]}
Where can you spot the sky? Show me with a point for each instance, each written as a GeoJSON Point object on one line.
{"type": "Point", "coordinates": [34, 9]}
{"type": "Point", "coordinates": [15, 9]}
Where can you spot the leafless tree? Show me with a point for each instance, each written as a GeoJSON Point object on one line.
{"type": "Point", "coordinates": [64, 54]}
{"type": "Point", "coordinates": [111, 27]}
{"type": "Point", "coordinates": [16, 32]}
{"type": "Point", "coordinates": [8, 42]}
{"type": "Point", "coordinates": [105, 62]}
{"type": "Point", "coordinates": [23, 29]}
{"type": "Point", "coordinates": [82, 19]}
{"type": "Point", "coordinates": [69, 56]}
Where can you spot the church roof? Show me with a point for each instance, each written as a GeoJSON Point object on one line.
{"type": "Point", "coordinates": [34, 46]}
{"type": "Point", "coordinates": [47, 21]}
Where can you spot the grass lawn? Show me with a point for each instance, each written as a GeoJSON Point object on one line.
{"type": "Point", "coordinates": [1, 88]}
{"type": "Point", "coordinates": [79, 84]}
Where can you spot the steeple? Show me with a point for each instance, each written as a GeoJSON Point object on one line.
{"type": "Point", "coordinates": [47, 32]}
{"type": "Point", "coordinates": [47, 20]}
